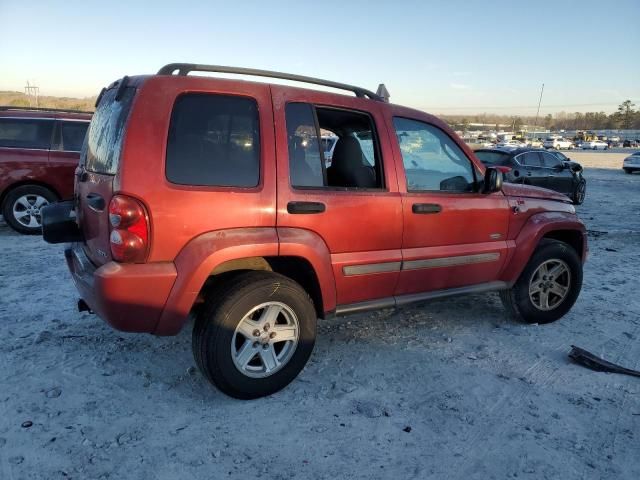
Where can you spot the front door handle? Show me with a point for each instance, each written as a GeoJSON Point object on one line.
{"type": "Point", "coordinates": [426, 208]}
{"type": "Point", "coordinates": [305, 207]}
{"type": "Point", "coordinates": [96, 202]}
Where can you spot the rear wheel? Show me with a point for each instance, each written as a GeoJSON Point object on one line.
{"type": "Point", "coordinates": [628, 170]}
{"type": "Point", "coordinates": [580, 192]}
{"type": "Point", "coordinates": [23, 205]}
{"type": "Point", "coordinates": [255, 334]}
{"type": "Point", "coordinates": [549, 285]}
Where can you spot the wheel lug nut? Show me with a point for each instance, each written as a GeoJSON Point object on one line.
{"type": "Point", "coordinates": [265, 346]}
{"type": "Point", "coordinates": [255, 344]}
{"type": "Point", "coordinates": [272, 335]}
{"type": "Point", "coordinates": [266, 327]}
{"type": "Point", "coordinates": [256, 333]}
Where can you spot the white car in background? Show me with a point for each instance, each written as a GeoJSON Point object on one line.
{"type": "Point", "coordinates": [595, 145]}
{"type": "Point", "coordinates": [510, 144]}
{"type": "Point", "coordinates": [631, 163]}
{"type": "Point", "coordinates": [557, 143]}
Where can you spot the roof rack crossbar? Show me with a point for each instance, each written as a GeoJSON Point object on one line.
{"type": "Point", "coordinates": [185, 68]}
{"type": "Point", "coordinates": [5, 108]}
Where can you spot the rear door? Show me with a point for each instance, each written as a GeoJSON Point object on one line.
{"type": "Point", "coordinates": [558, 178]}
{"type": "Point", "coordinates": [353, 206]}
{"type": "Point", "coordinates": [99, 161]}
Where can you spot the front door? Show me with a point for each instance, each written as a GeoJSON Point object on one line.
{"type": "Point", "coordinates": [352, 206]}
{"type": "Point", "coordinates": [559, 178]}
{"type": "Point", "coordinates": [453, 235]}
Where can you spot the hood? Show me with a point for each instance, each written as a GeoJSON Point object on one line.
{"type": "Point", "coordinates": [517, 190]}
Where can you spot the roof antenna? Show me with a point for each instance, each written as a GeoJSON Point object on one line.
{"type": "Point", "coordinates": [383, 93]}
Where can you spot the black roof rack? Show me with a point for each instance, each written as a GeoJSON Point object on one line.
{"type": "Point", "coordinates": [185, 68]}
{"type": "Point", "coordinates": [5, 108]}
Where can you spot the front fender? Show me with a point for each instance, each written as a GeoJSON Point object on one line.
{"type": "Point", "coordinates": [536, 227]}
{"type": "Point", "coordinates": [200, 257]}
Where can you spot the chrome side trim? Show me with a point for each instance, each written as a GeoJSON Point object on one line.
{"type": "Point", "coordinates": [450, 261]}
{"type": "Point", "coordinates": [371, 268]}
{"type": "Point", "coordinates": [390, 302]}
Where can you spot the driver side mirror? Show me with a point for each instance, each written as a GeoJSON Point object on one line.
{"type": "Point", "coordinates": [492, 180]}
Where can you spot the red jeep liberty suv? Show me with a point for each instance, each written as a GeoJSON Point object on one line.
{"type": "Point", "coordinates": [210, 196]}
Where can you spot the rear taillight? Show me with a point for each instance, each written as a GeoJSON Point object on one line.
{"type": "Point", "coordinates": [129, 237]}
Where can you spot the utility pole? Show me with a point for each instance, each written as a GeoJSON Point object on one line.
{"type": "Point", "coordinates": [31, 91]}
{"type": "Point", "coordinates": [538, 111]}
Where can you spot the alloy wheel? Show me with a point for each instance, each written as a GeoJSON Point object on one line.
{"type": "Point", "coordinates": [265, 339]}
{"type": "Point", "coordinates": [550, 284]}
{"type": "Point", "coordinates": [27, 210]}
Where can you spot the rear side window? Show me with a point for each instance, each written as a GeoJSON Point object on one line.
{"type": "Point", "coordinates": [214, 140]}
{"type": "Point", "coordinates": [106, 132]}
{"type": "Point", "coordinates": [25, 133]}
{"type": "Point", "coordinates": [71, 136]}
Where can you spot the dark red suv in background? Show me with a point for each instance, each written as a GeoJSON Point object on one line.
{"type": "Point", "coordinates": [39, 151]}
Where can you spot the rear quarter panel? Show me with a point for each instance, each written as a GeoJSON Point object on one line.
{"type": "Point", "coordinates": [179, 213]}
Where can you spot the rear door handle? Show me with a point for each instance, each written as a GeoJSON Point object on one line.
{"type": "Point", "coordinates": [426, 208]}
{"type": "Point", "coordinates": [96, 202]}
{"type": "Point", "coordinates": [305, 207]}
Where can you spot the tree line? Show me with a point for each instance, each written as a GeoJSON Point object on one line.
{"type": "Point", "coordinates": [625, 118]}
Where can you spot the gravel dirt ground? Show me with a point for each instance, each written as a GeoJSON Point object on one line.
{"type": "Point", "coordinates": [446, 389]}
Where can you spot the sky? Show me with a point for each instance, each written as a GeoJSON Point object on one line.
{"type": "Point", "coordinates": [448, 56]}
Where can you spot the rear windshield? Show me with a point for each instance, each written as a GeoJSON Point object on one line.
{"type": "Point", "coordinates": [492, 158]}
{"type": "Point", "coordinates": [101, 152]}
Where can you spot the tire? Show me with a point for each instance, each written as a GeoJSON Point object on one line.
{"type": "Point", "coordinates": [628, 170]}
{"type": "Point", "coordinates": [518, 300]}
{"type": "Point", "coordinates": [580, 192]}
{"type": "Point", "coordinates": [24, 199]}
{"type": "Point", "coordinates": [218, 342]}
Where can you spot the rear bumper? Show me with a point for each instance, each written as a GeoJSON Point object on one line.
{"type": "Point", "coordinates": [129, 297]}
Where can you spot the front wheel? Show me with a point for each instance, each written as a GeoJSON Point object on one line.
{"type": "Point", "coordinates": [254, 334]}
{"type": "Point", "coordinates": [580, 192]}
{"type": "Point", "coordinates": [627, 170]}
{"type": "Point", "coordinates": [549, 285]}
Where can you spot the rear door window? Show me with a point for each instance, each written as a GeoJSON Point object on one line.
{"type": "Point", "coordinates": [26, 133]}
{"type": "Point", "coordinates": [214, 140]}
{"type": "Point", "coordinates": [70, 136]}
{"type": "Point", "coordinates": [106, 132]}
